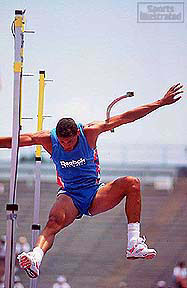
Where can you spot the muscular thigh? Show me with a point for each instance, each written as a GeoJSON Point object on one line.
{"type": "Point", "coordinates": [109, 195]}
{"type": "Point", "coordinates": [63, 210]}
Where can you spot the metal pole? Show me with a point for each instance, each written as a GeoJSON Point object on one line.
{"type": "Point", "coordinates": [128, 94]}
{"type": "Point", "coordinates": [12, 207]}
{"type": "Point", "coordinates": [36, 225]}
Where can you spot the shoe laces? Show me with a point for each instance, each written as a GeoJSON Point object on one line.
{"type": "Point", "coordinates": [31, 256]}
{"type": "Point", "coordinates": [141, 240]}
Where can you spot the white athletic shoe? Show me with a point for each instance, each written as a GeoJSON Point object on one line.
{"type": "Point", "coordinates": [140, 250]}
{"type": "Point", "coordinates": [28, 262]}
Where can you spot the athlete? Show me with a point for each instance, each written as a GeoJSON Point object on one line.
{"type": "Point", "coordinates": [73, 150]}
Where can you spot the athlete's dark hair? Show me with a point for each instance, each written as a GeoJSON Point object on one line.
{"type": "Point", "coordinates": [66, 127]}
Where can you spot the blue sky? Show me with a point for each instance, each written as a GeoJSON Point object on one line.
{"type": "Point", "coordinates": [95, 51]}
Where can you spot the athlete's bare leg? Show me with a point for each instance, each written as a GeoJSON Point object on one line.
{"type": "Point", "coordinates": [109, 196]}
{"type": "Point", "coordinates": [62, 214]}
{"type": "Point", "coordinates": [113, 192]}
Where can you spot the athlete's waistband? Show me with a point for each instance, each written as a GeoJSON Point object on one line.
{"type": "Point", "coordinates": [84, 185]}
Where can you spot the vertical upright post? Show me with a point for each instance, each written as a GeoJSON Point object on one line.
{"type": "Point", "coordinates": [36, 225]}
{"type": "Point", "coordinates": [12, 207]}
{"type": "Point", "coordinates": [21, 75]}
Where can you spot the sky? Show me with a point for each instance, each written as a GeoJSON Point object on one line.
{"type": "Point", "coordinates": [95, 51]}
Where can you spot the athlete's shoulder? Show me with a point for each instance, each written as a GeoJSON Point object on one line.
{"type": "Point", "coordinates": [92, 131]}
{"type": "Point", "coordinates": [44, 135]}
{"type": "Point", "coordinates": [95, 127]}
{"type": "Point", "coordinates": [43, 138]}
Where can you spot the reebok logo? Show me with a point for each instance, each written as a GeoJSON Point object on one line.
{"type": "Point", "coordinates": [73, 163]}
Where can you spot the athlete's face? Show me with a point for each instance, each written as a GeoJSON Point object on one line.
{"type": "Point", "coordinates": [69, 143]}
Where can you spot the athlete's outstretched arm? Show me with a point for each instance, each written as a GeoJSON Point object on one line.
{"type": "Point", "coordinates": [139, 112]}
{"type": "Point", "coordinates": [29, 139]}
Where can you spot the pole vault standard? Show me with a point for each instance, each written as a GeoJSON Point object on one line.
{"type": "Point", "coordinates": [18, 30]}
{"type": "Point", "coordinates": [12, 207]}
{"type": "Point", "coordinates": [36, 225]}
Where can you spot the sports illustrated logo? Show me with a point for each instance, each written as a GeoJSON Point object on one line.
{"type": "Point", "coordinates": [73, 163]}
{"type": "Point", "coordinates": [160, 12]}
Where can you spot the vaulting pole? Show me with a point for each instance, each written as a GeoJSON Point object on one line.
{"type": "Point", "coordinates": [36, 225]}
{"type": "Point", "coordinates": [12, 207]}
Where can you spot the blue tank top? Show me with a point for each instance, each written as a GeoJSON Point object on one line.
{"type": "Point", "coordinates": [78, 168]}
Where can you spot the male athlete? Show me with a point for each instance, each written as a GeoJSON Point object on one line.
{"type": "Point", "coordinates": [73, 150]}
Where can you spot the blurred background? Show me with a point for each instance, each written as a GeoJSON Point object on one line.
{"type": "Point", "coordinates": [96, 51]}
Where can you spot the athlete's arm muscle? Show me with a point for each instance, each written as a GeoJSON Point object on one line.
{"type": "Point", "coordinates": [93, 129]}
{"type": "Point", "coordinates": [29, 139]}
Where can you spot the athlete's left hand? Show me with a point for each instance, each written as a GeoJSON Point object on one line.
{"type": "Point", "coordinates": [169, 97]}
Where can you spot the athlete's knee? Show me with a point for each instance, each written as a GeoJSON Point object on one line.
{"type": "Point", "coordinates": [56, 222]}
{"type": "Point", "coordinates": [129, 184]}
{"type": "Point", "coordinates": [133, 184]}
{"type": "Point", "coordinates": [129, 180]}
{"type": "Point", "coordinates": [133, 181]}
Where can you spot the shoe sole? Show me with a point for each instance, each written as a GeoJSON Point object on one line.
{"type": "Point", "coordinates": [31, 273]}
{"type": "Point", "coordinates": [147, 257]}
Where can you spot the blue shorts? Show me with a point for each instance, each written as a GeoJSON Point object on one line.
{"type": "Point", "coordinates": [82, 198]}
